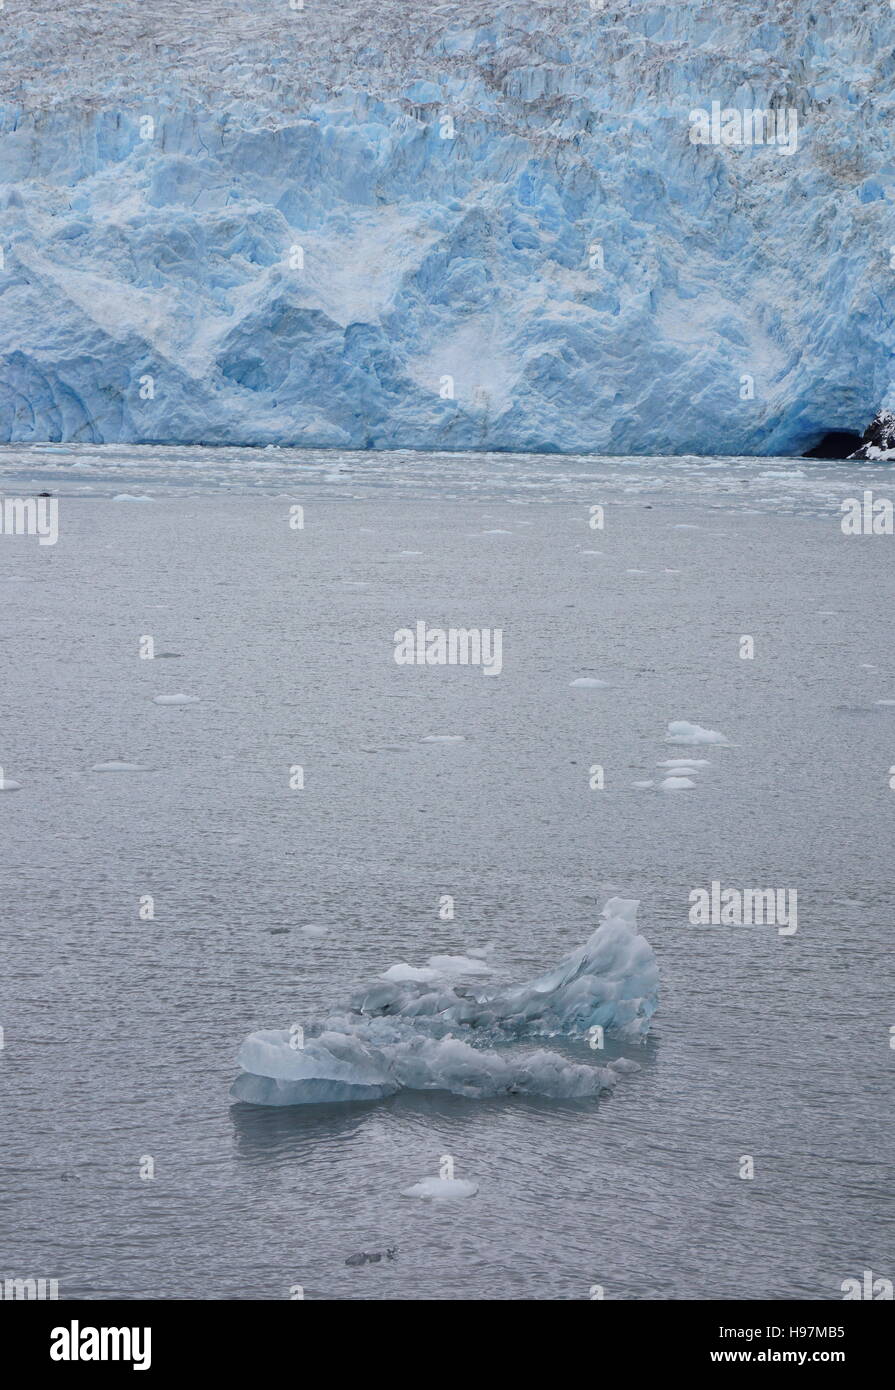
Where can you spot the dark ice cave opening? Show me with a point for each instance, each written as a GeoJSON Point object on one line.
{"type": "Point", "coordinates": [836, 444]}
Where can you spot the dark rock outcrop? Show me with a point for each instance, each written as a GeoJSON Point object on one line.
{"type": "Point", "coordinates": [878, 440]}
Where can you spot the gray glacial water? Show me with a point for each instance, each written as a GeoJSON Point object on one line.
{"type": "Point", "coordinates": [121, 1033]}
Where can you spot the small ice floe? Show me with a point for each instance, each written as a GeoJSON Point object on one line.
{"type": "Point", "coordinates": [686, 763]}
{"type": "Point", "coordinates": [410, 552]}
{"type": "Point", "coordinates": [176, 700]}
{"type": "Point", "coordinates": [590, 552]}
{"type": "Point", "coordinates": [866, 666]}
{"type": "Point", "coordinates": [679, 731]}
{"type": "Point", "coordinates": [624, 1066]}
{"type": "Point", "coordinates": [444, 738]}
{"type": "Point", "coordinates": [132, 497]}
{"type": "Point", "coordinates": [676, 784]}
{"type": "Point", "coordinates": [8, 785]}
{"type": "Point", "coordinates": [635, 571]}
{"type": "Point", "coordinates": [587, 683]}
{"type": "Point", "coordinates": [442, 1189]}
{"type": "Point", "coordinates": [403, 972]}
{"type": "Point", "coordinates": [49, 449]}
{"type": "Point", "coordinates": [686, 526]}
{"type": "Point", "coordinates": [313, 929]}
{"type": "Point", "coordinates": [642, 786]}
{"type": "Point", "coordinates": [458, 965]}
{"type": "Point", "coordinates": [115, 765]}
{"type": "Point", "coordinates": [496, 531]}
{"type": "Point", "coordinates": [885, 702]}
{"type": "Point", "coordinates": [668, 571]}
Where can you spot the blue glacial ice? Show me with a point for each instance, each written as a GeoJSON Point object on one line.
{"type": "Point", "coordinates": [431, 1033]}
{"type": "Point", "coordinates": [247, 223]}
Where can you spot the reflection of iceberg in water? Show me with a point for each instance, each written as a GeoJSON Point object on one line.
{"type": "Point", "coordinates": [437, 1035]}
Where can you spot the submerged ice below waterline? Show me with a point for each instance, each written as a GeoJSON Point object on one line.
{"type": "Point", "coordinates": [432, 1034]}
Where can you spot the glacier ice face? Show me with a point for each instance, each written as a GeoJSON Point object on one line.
{"type": "Point", "coordinates": [434, 1034]}
{"type": "Point", "coordinates": [465, 226]}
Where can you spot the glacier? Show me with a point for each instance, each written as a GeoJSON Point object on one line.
{"type": "Point", "coordinates": [466, 226]}
{"type": "Point", "coordinates": [430, 1033]}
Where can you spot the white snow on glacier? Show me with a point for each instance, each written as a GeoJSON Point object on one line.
{"type": "Point", "coordinates": [246, 223]}
{"type": "Point", "coordinates": [422, 1031]}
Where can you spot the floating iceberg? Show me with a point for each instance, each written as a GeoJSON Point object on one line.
{"type": "Point", "coordinates": [679, 731]}
{"type": "Point", "coordinates": [459, 965]}
{"type": "Point", "coordinates": [677, 784]}
{"type": "Point", "coordinates": [442, 1189]}
{"type": "Point", "coordinates": [401, 973]}
{"type": "Point", "coordinates": [437, 1034]}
